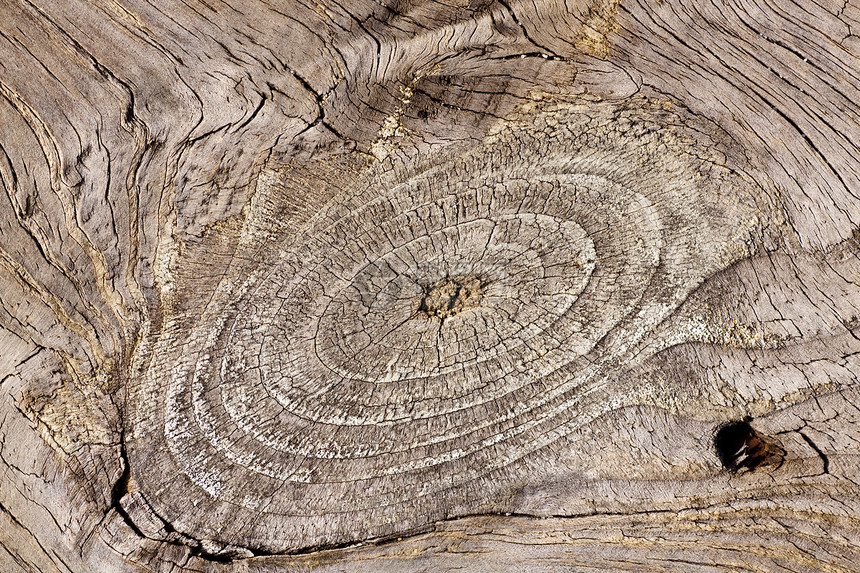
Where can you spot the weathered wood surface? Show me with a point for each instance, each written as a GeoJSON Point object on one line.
{"type": "Point", "coordinates": [429, 286]}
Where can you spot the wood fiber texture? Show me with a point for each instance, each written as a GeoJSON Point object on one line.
{"type": "Point", "coordinates": [420, 286]}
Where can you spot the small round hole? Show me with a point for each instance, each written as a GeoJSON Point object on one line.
{"type": "Point", "coordinates": [740, 447]}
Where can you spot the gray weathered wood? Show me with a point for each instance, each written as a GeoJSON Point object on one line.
{"type": "Point", "coordinates": [420, 286]}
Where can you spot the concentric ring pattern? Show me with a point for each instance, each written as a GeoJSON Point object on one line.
{"type": "Point", "coordinates": [428, 332]}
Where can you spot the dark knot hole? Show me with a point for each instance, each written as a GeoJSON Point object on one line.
{"type": "Point", "coordinates": [741, 448]}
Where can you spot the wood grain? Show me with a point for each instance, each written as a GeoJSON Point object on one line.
{"type": "Point", "coordinates": [422, 286]}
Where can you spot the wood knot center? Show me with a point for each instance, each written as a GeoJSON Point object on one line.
{"type": "Point", "coordinates": [450, 296]}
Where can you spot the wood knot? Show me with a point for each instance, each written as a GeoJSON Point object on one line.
{"type": "Point", "coordinates": [741, 448]}
{"type": "Point", "coordinates": [450, 296]}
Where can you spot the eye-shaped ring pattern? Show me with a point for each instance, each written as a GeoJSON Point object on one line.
{"type": "Point", "coordinates": [401, 360]}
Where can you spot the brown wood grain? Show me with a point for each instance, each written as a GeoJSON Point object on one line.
{"type": "Point", "coordinates": [424, 286]}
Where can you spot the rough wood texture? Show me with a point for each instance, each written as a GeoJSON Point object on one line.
{"type": "Point", "coordinates": [481, 286]}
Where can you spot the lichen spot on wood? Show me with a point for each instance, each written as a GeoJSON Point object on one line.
{"type": "Point", "coordinates": [450, 296]}
{"type": "Point", "coordinates": [741, 448]}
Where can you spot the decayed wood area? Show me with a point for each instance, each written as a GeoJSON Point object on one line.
{"type": "Point", "coordinates": [429, 286]}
